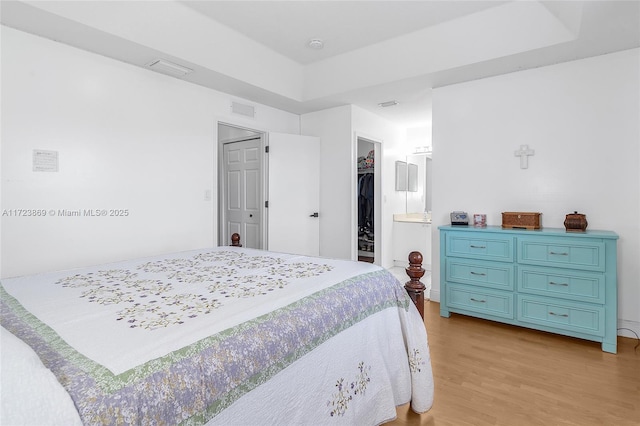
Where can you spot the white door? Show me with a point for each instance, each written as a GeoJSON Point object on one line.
{"type": "Point", "coordinates": [294, 194]}
{"type": "Point", "coordinates": [243, 179]}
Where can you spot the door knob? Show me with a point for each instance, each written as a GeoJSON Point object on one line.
{"type": "Point", "coordinates": [314, 214]}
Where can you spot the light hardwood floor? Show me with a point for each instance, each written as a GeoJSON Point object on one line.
{"type": "Point", "coordinates": [487, 373]}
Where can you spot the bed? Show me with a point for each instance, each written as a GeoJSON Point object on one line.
{"type": "Point", "coordinates": [227, 335]}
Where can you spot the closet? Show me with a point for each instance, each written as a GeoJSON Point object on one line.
{"type": "Point", "coordinates": [366, 197]}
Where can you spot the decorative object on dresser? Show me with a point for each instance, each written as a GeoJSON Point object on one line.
{"type": "Point", "coordinates": [479, 220]}
{"type": "Point", "coordinates": [548, 280]}
{"type": "Point", "coordinates": [459, 218]}
{"type": "Point", "coordinates": [575, 222]}
{"type": "Point", "coordinates": [521, 220]}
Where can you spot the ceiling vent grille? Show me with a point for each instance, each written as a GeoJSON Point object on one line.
{"type": "Point", "coordinates": [388, 104]}
{"type": "Point", "coordinates": [242, 109]}
{"type": "Point", "coordinates": [166, 67]}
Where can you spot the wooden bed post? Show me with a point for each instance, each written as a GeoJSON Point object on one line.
{"type": "Point", "coordinates": [235, 240]}
{"type": "Point", "coordinates": [414, 287]}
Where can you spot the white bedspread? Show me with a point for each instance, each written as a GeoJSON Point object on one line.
{"type": "Point", "coordinates": [140, 323]}
{"type": "Point", "coordinates": [29, 393]}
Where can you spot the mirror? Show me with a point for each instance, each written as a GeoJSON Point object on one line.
{"type": "Point", "coordinates": [401, 176]}
{"type": "Point", "coordinates": [417, 168]}
{"type": "Point", "coordinates": [406, 176]}
{"type": "Point", "coordinates": [412, 177]}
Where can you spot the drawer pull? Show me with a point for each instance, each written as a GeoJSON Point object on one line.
{"type": "Point", "coordinates": [472, 246]}
{"type": "Point", "coordinates": [561, 284]}
{"type": "Point", "coordinates": [477, 273]}
{"type": "Point", "coordinates": [558, 315]}
{"type": "Point", "coordinates": [559, 254]}
{"type": "Point", "coordinates": [476, 300]}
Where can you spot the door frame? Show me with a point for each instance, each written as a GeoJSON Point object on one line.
{"type": "Point", "coordinates": [377, 197]}
{"type": "Point", "coordinates": [221, 185]}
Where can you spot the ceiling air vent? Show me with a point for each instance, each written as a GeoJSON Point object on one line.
{"type": "Point", "coordinates": [242, 109]}
{"type": "Point", "coordinates": [169, 68]}
{"type": "Point", "coordinates": [388, 104]}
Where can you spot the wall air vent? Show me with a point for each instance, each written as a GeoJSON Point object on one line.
{"type": "Point", "coordinates": [242, 109]}
{"type": "Point", "coordinates": [169, 68]}
{"type": "Point", "coordinates": [388, 104]}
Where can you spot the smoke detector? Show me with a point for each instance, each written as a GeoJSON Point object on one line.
{"type": "Point", "coordinates": [315, 43]}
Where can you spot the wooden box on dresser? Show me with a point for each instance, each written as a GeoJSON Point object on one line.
{"type": "Point", "coordinates": [547, 279]}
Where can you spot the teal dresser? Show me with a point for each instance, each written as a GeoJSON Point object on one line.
{"type": "Point", "coordinates": [548, 279]}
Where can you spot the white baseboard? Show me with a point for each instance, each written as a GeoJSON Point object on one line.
{"type": "Point", "coordinates": [434, 295]}
{"type": "Point", "coordinates": [625, 325]}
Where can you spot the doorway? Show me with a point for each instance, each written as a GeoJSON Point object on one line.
{"type": "Point", "coordinates": [268, 189]}
{"type": "Point", "coordinates": [368, 205]}
{"type": "Point", "coordinates": [241, 185]}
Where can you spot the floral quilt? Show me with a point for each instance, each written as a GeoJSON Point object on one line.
{"type": "Point", "coordinates": [179, 338]}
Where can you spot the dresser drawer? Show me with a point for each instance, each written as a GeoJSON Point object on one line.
{"type": "Point", "coordinates": [498, 275]}
{"type": "Point", "coordinates": [576, 317]}
{"type": "Point", "coordinates": [585, 255]}
{"type": "Point", "coordinates": [563, 283]}
{"type": "Point", "coordinates": [480, 300]}
{"type": "Point", "coordinates": [472, 245]}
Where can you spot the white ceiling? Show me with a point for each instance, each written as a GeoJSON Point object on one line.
{"type": "Point", "coordinates": [374, 51]}
{"type": "Point", "coordinates": [344, 26]}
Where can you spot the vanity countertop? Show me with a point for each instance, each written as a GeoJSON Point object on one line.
{"type": "Point", "coordinates": [412, 218]}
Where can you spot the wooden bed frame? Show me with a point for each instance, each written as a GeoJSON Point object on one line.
{"type": "Point", "coordinates": [415, 288]}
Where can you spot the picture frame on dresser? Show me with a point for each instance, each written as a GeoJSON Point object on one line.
{"type": "Point", "coordinates": [546, 279]}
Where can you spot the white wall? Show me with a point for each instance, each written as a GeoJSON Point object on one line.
{"type": "Point", "coordinates": [333, 127]}
{"type": "Point", "coordinates": [338, 129]}
{"type": "Point", "coordinates": [582, 120]}
{"type": "Point", "coordinates": [127, 138]}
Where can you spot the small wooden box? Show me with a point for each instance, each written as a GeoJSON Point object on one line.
{"type": "Point", "coordinates": [521, 220]}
